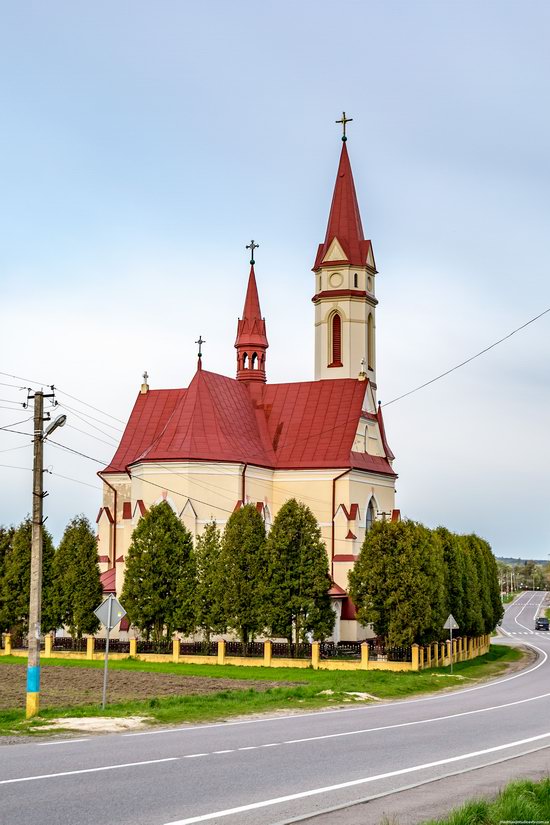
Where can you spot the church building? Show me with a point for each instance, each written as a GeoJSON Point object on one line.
{"type": "Point", "coordinates": [221, 442]}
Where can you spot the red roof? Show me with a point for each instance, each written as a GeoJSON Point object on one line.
{"type": "Point", "coordinates": [251, 328]}
{"type": "Point", "coordinates": [151, 412]}
{"type": "Point", "coordinates": [344, 222]}
{"type": "Point", "coordinates": [309, 424]}
{"type": "Point", "coordinates": [108, 581]}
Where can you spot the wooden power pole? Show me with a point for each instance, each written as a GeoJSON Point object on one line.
{"type": "Point", "coordinates": [35, 602]}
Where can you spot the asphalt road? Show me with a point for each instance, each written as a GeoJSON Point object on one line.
{"type": "Point", "coordinates": [287, 768]}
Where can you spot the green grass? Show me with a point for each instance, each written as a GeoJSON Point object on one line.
{"type": "Point", "coordinates": [518, 802]}
{"type": "Point", "coordinates": [510, 597]}
{"type": "Point", "coordinates": [229, 703]}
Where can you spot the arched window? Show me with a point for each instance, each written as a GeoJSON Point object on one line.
{"type": "Point", "coordinates": [336, 341]}
{"type": "Point", "coordinates": [355, 280]}
{"type": "Point", "coordinates": [253, 361]}
{"type": "Point", "coordinates": [320, 283]}
{"type": "Point", "coordinates": [370, 334]}
{"type": "Point", "coordinates": [371, 515]}
{"type": "Point", "coordinates": [245, 361]}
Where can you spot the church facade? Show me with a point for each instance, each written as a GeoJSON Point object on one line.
{"type": "Point", "coordinates": [222, 442]}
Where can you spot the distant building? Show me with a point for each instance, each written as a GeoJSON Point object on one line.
{"type": "Point", "coordinates": [222, 441]}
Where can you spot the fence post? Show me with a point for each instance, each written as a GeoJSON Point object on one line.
{"type": "Point", "coordinates": [315, 655]}
{"type": "Point", "coordinates": [175, 650]}
{"type": "Point", "coordinates": [435, 654]}
{"type": "Point", "coordinates": [365, 650]}
{"type": "Point", "coordinates": [421, 661]}
{"type": "Point", "coordinates": [455, 650]}
{"type": "Point", "coordinates": [449, 651]}
{"type": "Point", "coordinates": [268, 649]}
{"type": "Point", "coordinates": [48, 646]}
{"type": "Point", "coordinates": [221, 652]}
{"type": "Point", "coordinates": [415, 664]}
{"type": "Point", "coordinates": [133, 648]}
{"type": "Point", "coordinates": [429, 656]}
{"type": "Point", "coordinates": [90, 644]}
{"type": "Point", "coordinates": [7, 644]}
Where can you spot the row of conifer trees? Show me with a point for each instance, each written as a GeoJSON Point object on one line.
{"type": "Point", "coordinates": [241, 580]}
{"type": "Point", "coordinates": [406, 581]}
{"type": "Point", "coordinates": [71, 589]}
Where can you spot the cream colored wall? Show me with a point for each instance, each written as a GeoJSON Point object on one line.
{"type": "Point", "coordinates": [354, 313]}
{"type": "Point", "coordinates": [199, 492]}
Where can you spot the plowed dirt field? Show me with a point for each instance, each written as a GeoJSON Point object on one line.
{"type": "Point", "coordinates": [67, 686]}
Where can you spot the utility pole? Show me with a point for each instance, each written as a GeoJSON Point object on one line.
{"type": "Point", "coordinates": [35, 603]}
{"type": "Point", "coordinates": [35, 598]}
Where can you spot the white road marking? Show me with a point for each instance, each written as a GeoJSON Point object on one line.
{"type": "Point", "coordinates": [87, 770]}
{"type": "Point", "coordinates": [368, 709]}
{"type": "Point", "coordinates": [231, 750]}
{"type": "Point", "coordinates": [438, 778]}
{"type": "Point", "coordinates": [266, 803]}
{"type": "Point", "coordinates": [248, 748]}
{"type": "Point", "coordinates": [194, 755]}
{"type": "Point", "coordinates": [62, 742]}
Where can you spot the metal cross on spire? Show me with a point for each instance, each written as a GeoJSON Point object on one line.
{"type": "Point", "coordinates": [145, 377]}
{"type": "Point", "coordinates": [252, 246]}
{"type": "Point", "coordinates": [343, 122]}
{"type": "Point", "coordinates": [200, 342]}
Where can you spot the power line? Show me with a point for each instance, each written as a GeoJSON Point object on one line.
{"type": "Point", "coordinates": [11, 449]}
{"type": "Point", "coordinates": [76, 452]}
{"type": "Point", "coordinates": [53, 473]}
{"type": "Point", "coordinates": [15, 386]}
{"type": "Point", "coordinates": [87, 415]}
{"type": "Point", "coordinates": [10, 401]}
{"type": "Point", "coordinates": [28, 380]}
{"type": "Point", "coordinates": [468, 360]}
{"type": "Point", "coordinates": [15, 424]}
{"type": "Point", "coordinates": [91, 406]}
{"type": "Point", "coordinates": [88, 423]}
{"type": "Point", "coordinates": [90, 435]}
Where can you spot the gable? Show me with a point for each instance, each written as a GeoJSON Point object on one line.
{"type": "Point", "coordinates": [335, 252]}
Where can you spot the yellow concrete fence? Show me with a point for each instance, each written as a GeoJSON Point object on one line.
{"type": "Point", "coordinates": [437, 654]}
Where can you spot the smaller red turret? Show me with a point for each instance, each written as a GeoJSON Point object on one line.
{"type": "Point", "coordinates": [251, 342]}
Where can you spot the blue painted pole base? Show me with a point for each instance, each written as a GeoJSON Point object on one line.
{"type": "Point", "coordinates": [33, 679]}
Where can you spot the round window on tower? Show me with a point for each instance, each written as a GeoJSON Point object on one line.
{"type": "Point", "coordinates": [335, 279]}
{"type": "Point", "coordinates": [369, 284]}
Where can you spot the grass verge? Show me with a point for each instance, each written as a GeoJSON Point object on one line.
{"type": "Point", "coordinates": [311, 694]}
{"type": "Point", "coordinates": [518, 802]}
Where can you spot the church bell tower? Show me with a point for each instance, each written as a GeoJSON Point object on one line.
{"type": "Point", "coordinates": [344, 298]}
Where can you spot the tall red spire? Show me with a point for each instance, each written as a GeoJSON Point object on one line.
{"type": "Point", "coordinates": [344, 222]}
{"type": "Point", "coordinates": [251, 342]}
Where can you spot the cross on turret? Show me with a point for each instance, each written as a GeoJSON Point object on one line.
{"type": "Point", "coordinates": [252, 246]}
{"type": "Point", "coordinates": [343, 122]}
{"type": "Point", "coordinates": [200, 342]}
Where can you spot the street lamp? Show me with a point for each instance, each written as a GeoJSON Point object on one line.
{"type": "Point", "coordinates": [35, 597]}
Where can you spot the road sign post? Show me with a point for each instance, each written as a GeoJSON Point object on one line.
{"type": "Point", "coordinates": [451, 625]}
{"type": "Point", "coordinates": [109, 613]}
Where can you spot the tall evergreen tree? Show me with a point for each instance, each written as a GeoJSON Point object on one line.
{"type": "Point", "coordinates": [453, 569]}
{"type": "Point", "coordinates": [16, 581]}
{"type": "Point", "coordinates": [160, 554]}
{"type": "Point", "coordinates": [243, 562]}
{"type": "Point", "coordinates": [76, 586]}
{"type": "Point", "coordinates": [6, 539]}
{"type": "Point", "coordinates": [210, 582]}
{"type": "Point", "coordinates": [398, 582]}
{"type": "Point", "coordinates": [495, 609]}
{"type": "Point", "coordinates": [473, 616]}
{"type": "Point", "coordinates": [298, 581]}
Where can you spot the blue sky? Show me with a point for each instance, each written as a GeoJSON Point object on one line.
{"type": "Point", "coordinates": [144, 144]}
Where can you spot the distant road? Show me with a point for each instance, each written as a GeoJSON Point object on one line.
{"type": "Point", "coordinates": [270, 771]}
